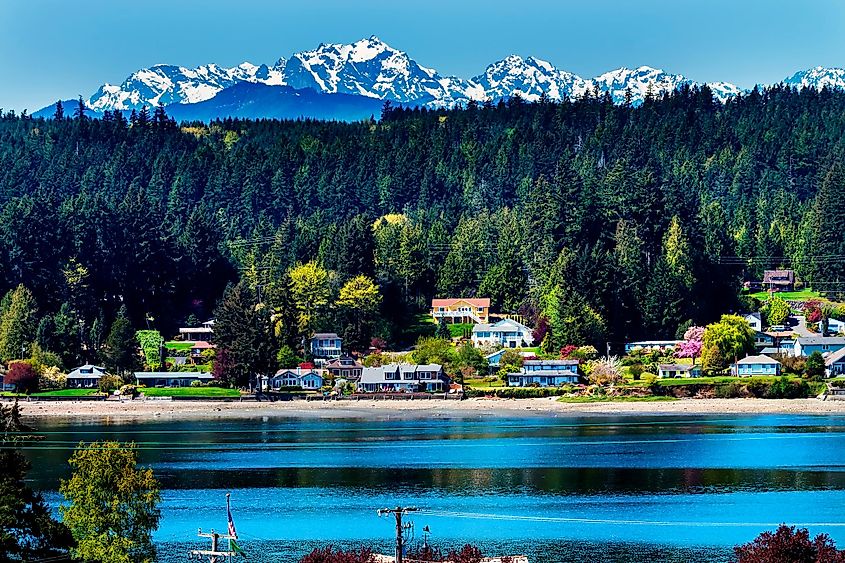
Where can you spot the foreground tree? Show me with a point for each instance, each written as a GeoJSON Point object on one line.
{"type": "Point", "coordinates": [28, 531]}
{"type": "Point", "coordinates": [726, 341]}
{"type": "Point", "coordinates": [788, 544]}
{"type": "Point", "coordinates": [112, 504]}
{"type": "Point", "coordinates": [23, 375]}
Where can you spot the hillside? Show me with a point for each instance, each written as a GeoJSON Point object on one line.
{"type": "Point", "coordinates": [607, 221]}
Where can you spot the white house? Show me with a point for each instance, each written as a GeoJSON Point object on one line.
{"type": "Point", "coordinates": [506, 333]}
{"type": "Point", "coordinates": [406, 378]}
{"type": "Point", "coordinates": [834, 363]}
{"type": "Point", "coordinates": [203, 333]}
{"type": "Point", "coordinates": [678, 370]}
{"type": "Point", "coordinates": [755, 320]}
{"type": "Point", "coordinates": [87, 376]}
{"type": "Point", "coordinates": [804, 346]}
{"type": "Point", "coordinates": [835, 326]}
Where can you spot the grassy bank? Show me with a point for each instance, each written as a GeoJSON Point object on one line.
{"type": "Point", "coordinates": [802, 295]}
{"type": "Point", "coordinates": [55, 393]}
{"type": "Point", "coordinates": [623, 399]}
{"type": "Point", "coordinates": [188, 392]}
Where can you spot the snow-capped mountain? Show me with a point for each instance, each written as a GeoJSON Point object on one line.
{"type": "Point", "coordinates": [373, 69]}
{"type": "Point", "coordinates": [170, 84]}
{"type": "Point", "coordinates": [817, 77]}
{"type": "Point", "coordinates": [529, 78]}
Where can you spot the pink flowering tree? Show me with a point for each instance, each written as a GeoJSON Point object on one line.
{"type": "Point", "coordinates": [690, 347]}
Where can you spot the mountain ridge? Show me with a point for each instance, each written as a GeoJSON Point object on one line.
{"type": "Point", "coordinates": [371, 68]}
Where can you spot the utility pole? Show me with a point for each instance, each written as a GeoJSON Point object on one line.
{"type": "Point", "coordinates": [214, 554]}
{"type": "Point", "coordinates": [398, 512]}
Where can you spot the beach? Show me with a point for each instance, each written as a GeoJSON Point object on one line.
{"type": "Point", "coordinates": [387, 409]}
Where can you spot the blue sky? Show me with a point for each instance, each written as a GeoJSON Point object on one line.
{"type": "Point", "coordinates": [51, 49]}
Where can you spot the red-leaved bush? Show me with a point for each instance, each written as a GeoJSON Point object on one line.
{"type": "Point", "coordinates": [788, 544]}
{"type": "Point", "coordinates": [329, 555]}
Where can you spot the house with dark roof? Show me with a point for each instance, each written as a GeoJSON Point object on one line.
{"type": "Point", "coordinates": [461, 310]}
{"type": "Point", "coordinates": [326, 345]}
{"type": "Point", "coordinates": [344, 368]}
{"type": "Point", "coordinates": [779, 280]}
{"type": "Point", "coordinates": [171, 378]}
{"type": "Point", "coordinates": [298, 378]}
{"type": "Point", "coordinates": [545, 373]}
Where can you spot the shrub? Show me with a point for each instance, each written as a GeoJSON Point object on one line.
{"type": "Point", "coordinates": [605, 372]}
{"type": "Point", "coordinates": [197, 384]}
{"type": "Point", "coordinates": [814, 367]}
{"type": "Point", "coordinates": [795, 365]}
{"type": "Point", "coordinates": [129, 390]}
{"type": "Point", "coordinates": [635, 370]}
{"type": "Point", "coordinates": [729, 391]}
{"type": "Point", "coordinates": [52, 378]}
{"type": "Point", "coordinates": [109, 383]}
{"type": "Point", "coordinates": [649, 378]}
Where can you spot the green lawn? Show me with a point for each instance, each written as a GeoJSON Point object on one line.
{"type": "Point", "coordinates": [188, 392]}
{"type": "Point", "coordinates": [646, 399]}
{"type": "Point", "coordinates": [177, 345]}
{"type": "Point", "coordinates": [801, 295]}
{"type": "Point", "coordinates": [716, 380]}
{"type": "Point", "coordinates": [458, 330]}
{"type": "Point", "coordinates": [55, 393]}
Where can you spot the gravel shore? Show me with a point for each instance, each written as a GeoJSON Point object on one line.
{"type": "Point", "coordinates": [470, 408]}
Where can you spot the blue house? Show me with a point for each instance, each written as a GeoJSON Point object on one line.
{"type": "Point", "coordinates": [804, 346]}
{"type": "Point", "coordinates": [756, 365]}
{"type": "Point", "coordinates": [545, 373]}
{"type": "Point", "coordinates": [326, 345]}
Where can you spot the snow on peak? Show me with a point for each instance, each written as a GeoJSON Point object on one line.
{"type": "Point", "coordinates": [370, 67]}
{"type": "Point", "coordinates": [817, 77]}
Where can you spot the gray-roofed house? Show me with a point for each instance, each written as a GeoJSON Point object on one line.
{"type": "Point", "coordinates": [171, 378]}
{"type": "Point", "coordinates": [545, 373]}
{"type": "Point", "coordinates": [779, 280]}
{"type": "Point", "coordinates": [804, 346]}
{"type": "Point", "coordinates": [405, 378]}
{"type": "Point", "coordinates": [326, 345]}
{"type": "Point", "coordinates": [678, 370]}
{"type": "Point", "coordinates": [85, 377]}
{"type": "Point", "coordinates": [834, 363]}
{"type": "Point", "coordinates": [308, 379]}
{"type": "Point", "coordinates": [756, 365]}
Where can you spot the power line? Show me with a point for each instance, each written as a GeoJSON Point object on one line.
{"type": "Point", "coordinates": [398, 513]}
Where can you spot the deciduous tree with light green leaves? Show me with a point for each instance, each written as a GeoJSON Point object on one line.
{"type": "Point", "coordinates": [776, 309]}
{"type": "Point", "coordinates": [359, 298]}
{"type": "Point", "coordinates": [18, 324]}
{"type": "Point", "coordinates": [726, 341]}
{"type": "Point", "coordinates": [111, 505]}
{"type": "Point", "coordinates": [310, 291]}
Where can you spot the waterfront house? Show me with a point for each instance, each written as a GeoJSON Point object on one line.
{"type": "Point", "coordinates": [461, 310]}
{"type": "Point", "coordinates": [651, 345]}
{"type": "Point", "coordinates": [779, 280]}
{"type": "Point", "coordinates": [326, 345]}
{"type": "Point", "coordinates": [763, 339]}
{"type": "Point", "coordinates": [404, 378]}
{"type": "Point", "coordinates": [834, 363]}
{"type": "Point", "coordinates": [205, 332]}
{"type": "Point", "coordinates": [171, 378]}
{"type": "Point", "coordinates": [197, 350]}
{"type": "Point", "coordinates": [678, 370]}
{"type": "Point", "coordinates": [344, 368]}
{"type": "Point", "coordinates": [298, 378]}
{"type": "Point", "coordinates": [545, 373]}
{"type": "Point", "coordinates": [85, 377]}
{"type": "Point", "coordinates": [494, 360]}
{"type": "Point", "coordinates": [755, 320]}
{"type": "Point", "coordinates": [506, 333]}
{"type": "Point", "coordinates": [756, 365]}
{"type": "Point", "coordinates": [804, 346]}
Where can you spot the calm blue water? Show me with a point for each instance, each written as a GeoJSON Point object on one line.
{"type": "Point", "coordinates": [557, 489]}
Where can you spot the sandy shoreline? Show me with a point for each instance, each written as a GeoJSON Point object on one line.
{"type": "Point", "coordinates": [470, 408]}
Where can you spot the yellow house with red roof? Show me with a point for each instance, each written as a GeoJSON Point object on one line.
{"type": "Point", "coordinates": [475, 310]}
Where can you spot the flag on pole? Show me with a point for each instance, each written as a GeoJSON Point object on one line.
{"type": "Point", "coordinates": [233, 541]}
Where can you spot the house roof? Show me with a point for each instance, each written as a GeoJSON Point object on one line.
{"type": "Point", "coordinates": [96, 372]}
{"type": "Point", "coordinates": [775, 276]}
{"type": "Point", "coordinates": [500, 325]}
{"type": "Point", "coordinates": [757, 360]}
{"type": "Point", "coordinates": [203, 345]}
{"type": "Point", "coordinates": [551, 362]}
{"type": "Point", "coordinates": [344, 362]}
{"type": "Point", "coordinates": [475, 301]}
{"type": "Point", "coordinates": [810, 340]}
{"type": "Point", "coordinates": [755, 315]}
{"type": "Point", "coordinates": [324, 335]}
{"type": "Point", "coordinates": [834, 357]}
{"type": "Point", "coordinates": [677, 367]}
